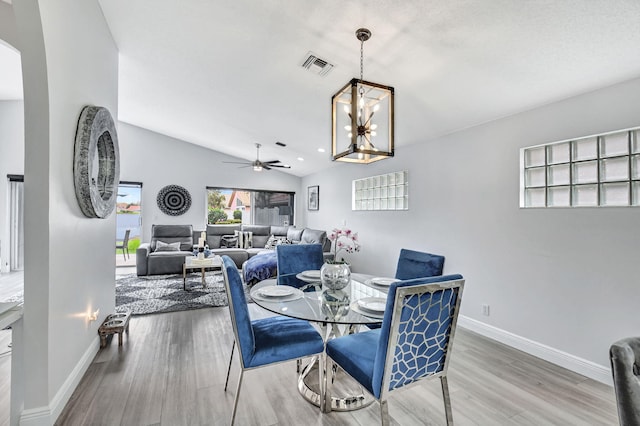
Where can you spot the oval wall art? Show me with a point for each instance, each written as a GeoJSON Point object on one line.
{"type": "Point", "coordinates": [96, 163]}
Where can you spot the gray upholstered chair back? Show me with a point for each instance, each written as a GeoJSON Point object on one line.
{"type": "Point", "coordinates": [172, 234]}
{"type": "Point", "coordinates": [625, 367]}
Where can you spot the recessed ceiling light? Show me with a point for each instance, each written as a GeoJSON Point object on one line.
{"type": "Point", "coordinates": [300, 159]}
{"type": "Point", "coordinates": [320, 149]}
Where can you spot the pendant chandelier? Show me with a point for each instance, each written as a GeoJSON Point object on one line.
{"type": "Point", "coordinates": [362, 118]}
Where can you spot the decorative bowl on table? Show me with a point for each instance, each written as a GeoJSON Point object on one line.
{"type": "Point", "coordinates": [335, 275]}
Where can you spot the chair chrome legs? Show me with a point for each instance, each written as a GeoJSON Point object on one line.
{"type": "Point", "coordinates": [226, 382]}
{"type": "Point", "coordinates": [229, 369]}
{"type": "Point", "coordinates": [447, 402]}
{"type": "Point", "coordinates": [384, 412]}
{"type": "Point", "coordinates": [235, 400]}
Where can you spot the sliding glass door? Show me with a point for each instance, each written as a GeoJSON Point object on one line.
{"type": "Point", "coordinates": [16, 223]}
{"type": "Point", "coordinates": [129, 214]}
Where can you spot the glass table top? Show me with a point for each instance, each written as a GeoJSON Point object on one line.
{"type": "Point", "coordinates": [358, 303]}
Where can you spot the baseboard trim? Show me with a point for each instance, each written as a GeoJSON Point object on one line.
{"type": "Point", "coordinates": [40, 416]}
{"type": "Point", "coordinates": [579, 365]}
{"type": "Point", "coordinates": [47, 415]}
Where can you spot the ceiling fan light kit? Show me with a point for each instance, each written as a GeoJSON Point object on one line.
{"type": "Point", "coordinates": [258, 165]}
{"type": "Point", "coordinates": [362, 117]}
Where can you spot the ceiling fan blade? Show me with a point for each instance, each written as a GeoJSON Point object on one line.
{"type": "Point", "coordinates": [264, 166]}
{"type": "Point", "coordinates": [271, 162]}
{"type": "Point", "coordinates": [282, 166]}
{"type": "Point", "coordinates": [237, 162]}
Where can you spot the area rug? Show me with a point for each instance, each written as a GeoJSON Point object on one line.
{"type": "Point", "coordinates": [164, 293]}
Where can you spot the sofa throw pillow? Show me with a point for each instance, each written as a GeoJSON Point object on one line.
{"type": "Point", "coordinates": [229, 241]}
{"type": "Point", "coordinates": [162, 246]}
{"type": "Point", "coordinates": [274, 241]}
{"type": "Point", "coordinates": [271, 243]}
{"type": "Point", "coordinates": [244, 239]}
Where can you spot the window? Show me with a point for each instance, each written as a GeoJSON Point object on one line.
{"type": "Point", "coordinates": [594, 171]}
{"type": "Point", "coordinates": [383, 192]}
{"type": "Point", "coordinates": [129, 213]}
{"type": "Point", "coordinates": [233, 205]}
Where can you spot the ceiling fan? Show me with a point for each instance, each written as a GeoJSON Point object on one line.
{"type": "Point", "coordinates": [259, 165]}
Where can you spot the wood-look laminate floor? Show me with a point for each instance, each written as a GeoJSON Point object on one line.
{"type": "Point", "coordinates": [171, 372]}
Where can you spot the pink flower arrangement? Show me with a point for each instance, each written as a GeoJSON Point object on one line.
{"type": "Point", "coordinates": [343, 239]}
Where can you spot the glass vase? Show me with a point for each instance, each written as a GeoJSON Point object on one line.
{"type": "Point", "coordinates": [335, 276]}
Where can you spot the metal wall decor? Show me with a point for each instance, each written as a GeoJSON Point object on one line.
{"type": "Point", "coordinates": [174, 200]}
{"type": "Point", "coordinates": [96, 162]}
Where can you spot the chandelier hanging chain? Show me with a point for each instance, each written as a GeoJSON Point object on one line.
{"type": "Point", "coordinates": [361, 59]}
{"type": "Point", "coordinates": [363, 35]}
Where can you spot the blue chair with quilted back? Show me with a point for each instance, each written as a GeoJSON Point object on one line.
{"type": "Point", "coordinates": [295, 258]}
{"type": "Point", "coordinates": [413, 343]}
{"type": "Point", "coordinates": [416, 264]}
{"type": "Point", "coordinates": [265, 341]}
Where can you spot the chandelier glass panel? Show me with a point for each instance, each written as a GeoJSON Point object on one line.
{"type": "Point", "coordinates": [362, 118]}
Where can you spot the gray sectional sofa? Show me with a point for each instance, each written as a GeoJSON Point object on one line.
{"type": "Point", "coordinates": [155, 257]}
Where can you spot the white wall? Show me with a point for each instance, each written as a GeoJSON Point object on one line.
{"type": "Point", "coordinates": [565, 279]}
{"type": "Point", "coordinates": [8, 27]}
{"type": "Point", "coordinates": [157, 160]}
{"type": "Point", "coordinates": [69, 60]}
{"type": "Point", "coordinates": [11, 162]}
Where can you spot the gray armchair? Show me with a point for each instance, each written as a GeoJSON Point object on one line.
{"type": "Point", "coordinates": [165, 254]}
{"type": "Point", "coordinates": [625, 367]}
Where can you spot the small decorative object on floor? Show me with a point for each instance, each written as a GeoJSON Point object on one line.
{"type": "Point", "coordinates": [114, 323]}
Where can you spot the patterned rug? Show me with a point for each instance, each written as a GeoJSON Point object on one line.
{"type": "Point", "coordinates": [164, 293]}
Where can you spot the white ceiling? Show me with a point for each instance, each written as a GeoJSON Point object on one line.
{"type": "Point", "coordinates": [227, 74]}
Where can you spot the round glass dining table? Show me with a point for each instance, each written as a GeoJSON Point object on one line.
{"type": "Point", "coordinates": [336, 312]}
{"type": "Point", "coordinates": [325, 306]}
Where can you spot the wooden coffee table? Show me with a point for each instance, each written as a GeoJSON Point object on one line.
{"type": "Point", "coordinates": [192, 262]}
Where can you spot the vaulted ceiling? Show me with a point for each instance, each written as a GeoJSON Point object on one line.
{"type": "Point", "coordinates": [227, 74]}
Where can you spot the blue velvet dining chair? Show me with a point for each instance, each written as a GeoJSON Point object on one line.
{"type": "Point", "coordinates": [416, 264]}
{"type": "Point", "coordinates": [295, 258]}
{"type": "Point", "coordinates": [413, 343]}
{"type": "Point", "coordinates": [265, 341]}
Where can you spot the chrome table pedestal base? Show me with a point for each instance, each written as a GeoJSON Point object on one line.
{"type": "Point", "coordinates": [346, 393]}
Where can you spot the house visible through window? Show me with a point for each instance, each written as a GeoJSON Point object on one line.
{"type": "Point", "coordinates": [232, 205]}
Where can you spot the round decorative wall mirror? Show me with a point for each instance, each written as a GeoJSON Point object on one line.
{"type": "Point", "coordinates": [174, 200]}
{"type": "Point", "coordinates": [96, 165]}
